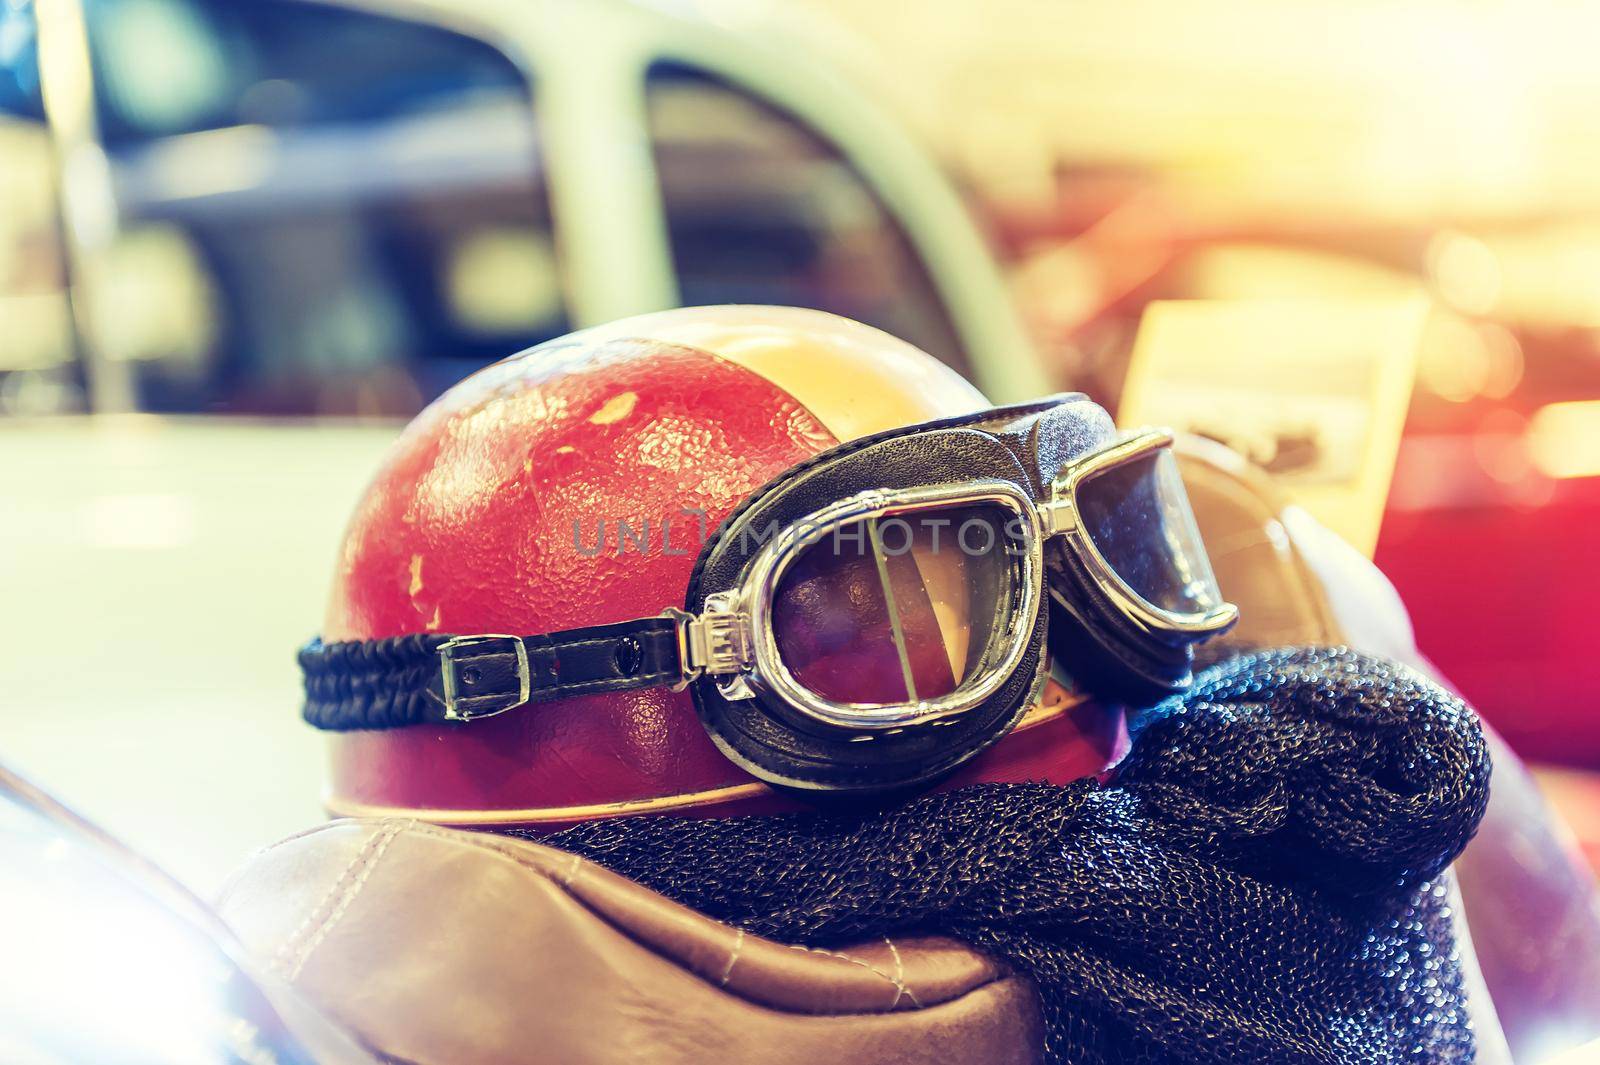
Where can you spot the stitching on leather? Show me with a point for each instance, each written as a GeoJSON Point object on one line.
{"type": "Point", "coordinates": [583, 687]}
{"type": "Point", "coordinates": [568, 645]}
{"type": "Point", "coordinates": [348, 898]}
{"type": "Point", "coordinates": [292, 943]}
{"type": "Point", "coordinates": [733, 956]}
{"type": "Point", "coordinates": [899, 974]}
{"type": "Point", "coordinates": [361, 867]}
{"type": "Point", "coordinates": [235, 878]}
{"type": "Point", "coordinates": [899, 985]}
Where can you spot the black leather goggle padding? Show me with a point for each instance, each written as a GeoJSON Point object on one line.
{"type": "Point", "coordinates": [770, 739]}
{"type": "Point", "coordinates": [1068, 429]}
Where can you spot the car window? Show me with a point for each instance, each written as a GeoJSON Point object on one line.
{"type": "Point", "coordinates": [760, 209]}
{"type": "Point", "coordinates": [321, 210]}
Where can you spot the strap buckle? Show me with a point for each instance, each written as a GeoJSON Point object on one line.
{"type": "Point", "coordinates": [476, 676]}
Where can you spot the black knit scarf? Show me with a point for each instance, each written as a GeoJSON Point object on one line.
{"type": "Point", "coordinates": [1258, 883]}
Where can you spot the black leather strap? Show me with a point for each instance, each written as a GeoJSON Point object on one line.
{"type": "Point", "coordinates": [433, 678]}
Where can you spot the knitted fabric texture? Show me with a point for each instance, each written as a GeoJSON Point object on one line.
{"type": "Point", "coordinates": [1259, 880]}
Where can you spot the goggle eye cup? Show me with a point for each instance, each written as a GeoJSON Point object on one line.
{"type": "Point", "coordinates": [1133, 527]}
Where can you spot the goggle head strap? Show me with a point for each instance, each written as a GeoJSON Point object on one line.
{"type": "Point", "coordinates": [436, 679]}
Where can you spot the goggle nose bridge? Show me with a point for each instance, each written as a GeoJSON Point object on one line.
{"type": "Point", "coordinates": [1058, 515]}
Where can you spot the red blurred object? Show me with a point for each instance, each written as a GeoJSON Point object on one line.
{"type": "Point", "coordinates": [1503, 600]}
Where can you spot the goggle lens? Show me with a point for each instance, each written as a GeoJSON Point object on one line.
{"type": "Point", "coordinates": [900, 607]}
{"type": "Point", "coordinates": [1138, 517]}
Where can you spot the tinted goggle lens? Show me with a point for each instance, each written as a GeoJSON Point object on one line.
{"type": "Point", "coordinates": [902, 607]}
{"type": "Point", "coordinates": [1137, 516]}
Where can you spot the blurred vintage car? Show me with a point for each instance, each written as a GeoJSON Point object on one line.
{"type": "Point", "coordinates": [297, 208]}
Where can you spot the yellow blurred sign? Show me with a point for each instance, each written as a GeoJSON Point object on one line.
{"type": "Point", "coordinates": [1313, 391]}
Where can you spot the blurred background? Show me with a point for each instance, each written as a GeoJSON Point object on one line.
{"type": "Point", "coordinates": [251, 238]}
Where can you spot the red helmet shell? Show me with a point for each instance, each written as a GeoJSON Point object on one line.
{"type": "Point", "coordinates": [572, 485]}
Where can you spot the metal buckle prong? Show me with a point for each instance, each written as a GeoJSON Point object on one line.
{"type": "Point", "coordinates": [447, 667]}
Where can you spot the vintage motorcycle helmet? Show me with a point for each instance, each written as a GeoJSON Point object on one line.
{"type": "Point", "coordinates": [715, 559]}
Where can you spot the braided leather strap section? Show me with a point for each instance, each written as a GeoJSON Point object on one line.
{"type": "Point", "coordinates": [372, 684]}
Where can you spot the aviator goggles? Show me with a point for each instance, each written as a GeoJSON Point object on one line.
{"type": "Point", "coordinates": [874, 616]}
